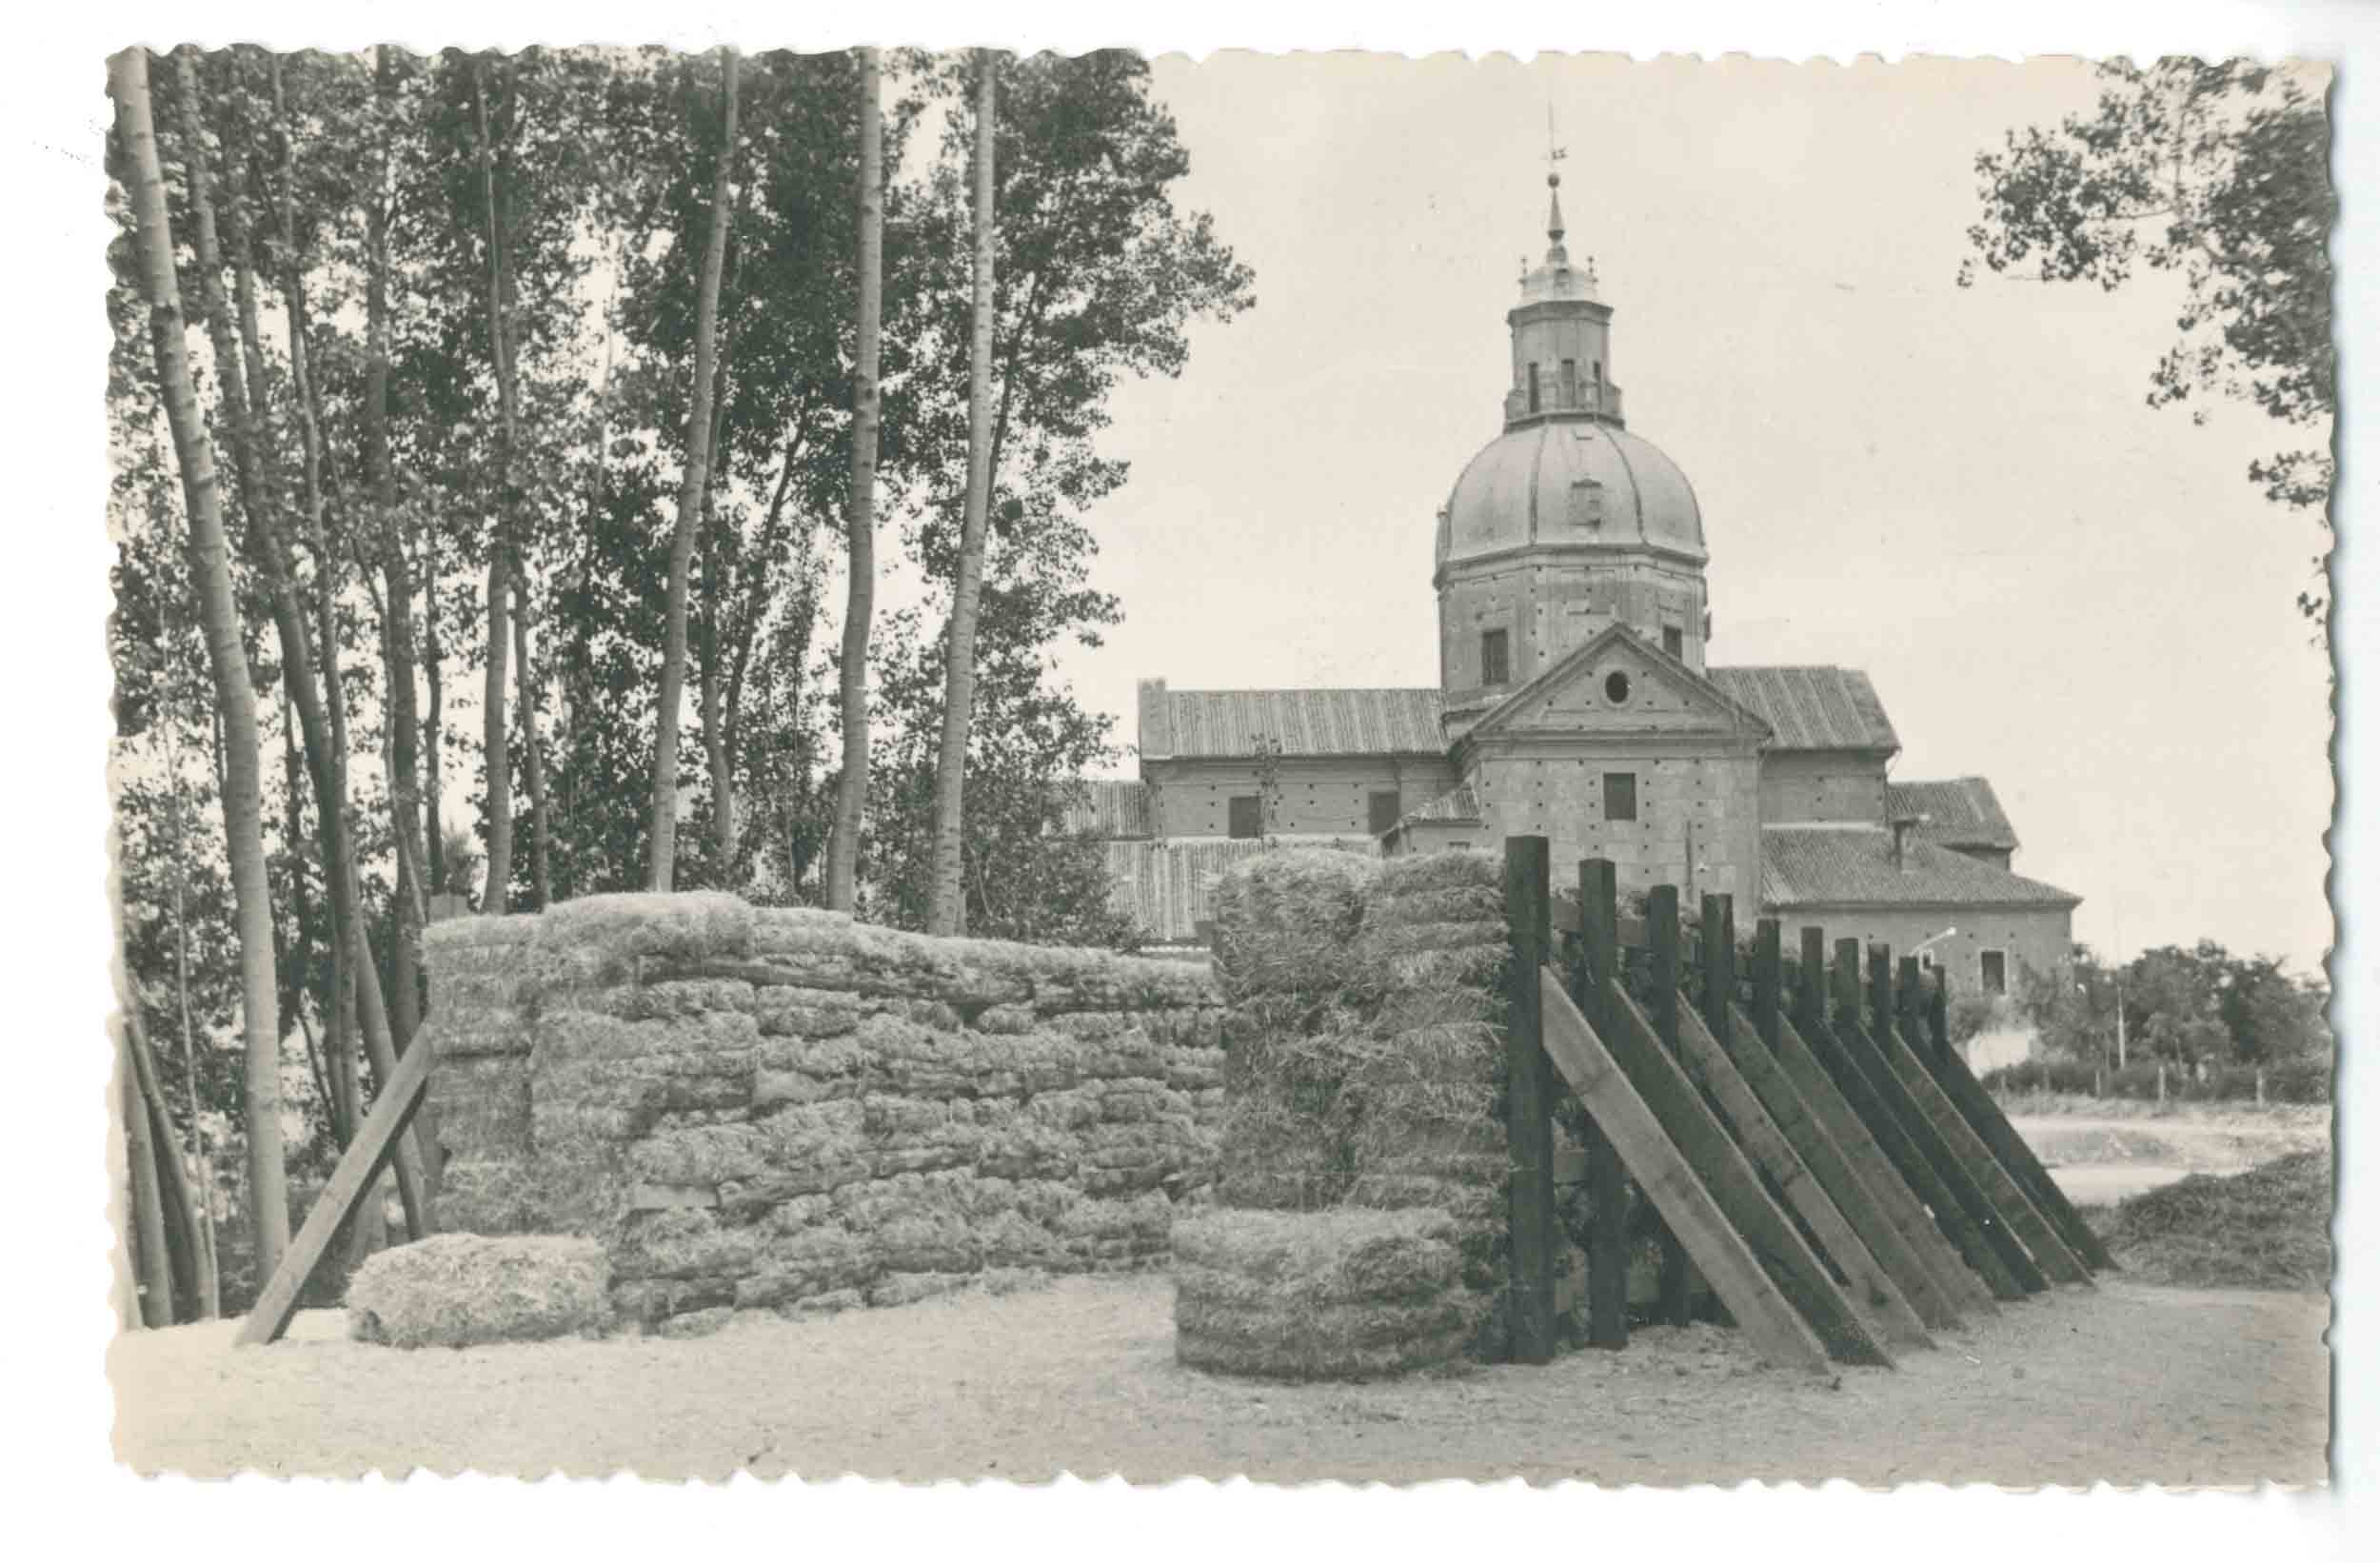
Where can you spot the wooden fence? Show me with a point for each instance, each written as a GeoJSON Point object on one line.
{"type": "Point", "coordinates": [1814, 1148]}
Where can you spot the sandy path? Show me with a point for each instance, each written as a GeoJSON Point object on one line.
{"type": "Point", "coordinates": [2128, 1384]}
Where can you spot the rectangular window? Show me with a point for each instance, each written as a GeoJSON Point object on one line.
{"type": "Point", "coordinates": [1384, 812]}
{"type": "Point", "coordinates": [1995, 971]}
{"type": "Point", "coordinates": [1570, 381]}
{"type": "Point", "coordinates": [1620, 795]}
{"type": "Point", "coordinates": [1247, 819]}
{"type": "Point", "coordinates": [1674, 641]}
{"type": "Point", "coordinates": [1495, 665]}
{"type": "Point", "coordinates": [1533, 387]}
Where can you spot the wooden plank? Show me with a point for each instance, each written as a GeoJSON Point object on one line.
{"type": "Point", "coordinates": [1868, 1286]}
{"type": "Point", "coordinates": [1762, 1309]}
{"type": "Point", "coordinates": [1607, 1175]}
{"type": "Point", "coordinates": [1984, 1116]}
{"type": "Point", "coordinates": [1952, 1289]}
{"type": "Point", "coordinates": [1886, 1123]}
{"type": "Point", "coordinates": [1529, 1099]}
{"type": "Point", "coordinates": [1724, 1170]}
{"type": "Point", "coordinates": [2056, 1262]}
{"type": "Point", "coordinates": [1851, 1031]}
{"type": "Point", "coordinates": [1661, 916]}
{"type": "Point", "coordinates": [367, 1154]}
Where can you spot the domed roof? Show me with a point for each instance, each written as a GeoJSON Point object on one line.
{"type": "Point", "coordinates": [1577, 480]}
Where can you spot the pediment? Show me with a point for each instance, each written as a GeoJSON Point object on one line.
{"type": "Point", "coordinates": [1617, 685]}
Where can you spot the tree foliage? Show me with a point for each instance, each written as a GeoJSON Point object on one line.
{"type": "Point", "coordinates": [2218, 176]}
{"type": "Point", "coordinates": [2184, 1005]}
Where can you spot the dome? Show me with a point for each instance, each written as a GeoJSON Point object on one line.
{"type": "Point", "coordinates": [1577, 480]}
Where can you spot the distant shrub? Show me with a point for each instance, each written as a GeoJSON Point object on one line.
{"type": "Point", "coordinates": [2290, 1082]}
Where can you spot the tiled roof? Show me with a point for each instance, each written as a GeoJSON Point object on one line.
{"type": "Point", "coordinates": [1960, 812]}
{"type": "Point", "coordinates": [1838, 866]}
{"type": "Point", "coordinates": [1109, 811]}
{"type": "Point", "coordinates": [1225, 724]}
{"type": "Point", "coordinates": [1812, 707]}
{"type": "Point", "coordinates": [1461, 806]}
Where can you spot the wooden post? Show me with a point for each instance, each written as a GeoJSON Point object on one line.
{"type": "Point", "coordinates": [1768, 983]}
{"type": "Point", "coordinates": [1880, 1016]}
{"type": "Point", "coordinates": [1938, 1013]}
{"type": "Point", "coordinates": [1661, 916]}
{"type": "Point", "coordinates": [1529, 1098]}
{"type": "Point", "coordinates": [1913, 1015]}
{"type": "Point", "coordinates": [1607, 1178]}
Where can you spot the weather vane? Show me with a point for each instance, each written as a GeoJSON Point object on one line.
{"type": "Point", "coordinates": [1555, 152]}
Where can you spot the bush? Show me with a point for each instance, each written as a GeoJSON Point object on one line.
{"type": "Point", "coordinates": [2306, 1082]}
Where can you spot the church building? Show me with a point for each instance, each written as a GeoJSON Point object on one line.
{"type": "Point", "coordinates": [1576, 700]}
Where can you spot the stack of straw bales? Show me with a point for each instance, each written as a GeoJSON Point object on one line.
{"type": "Point", "coordinates": [1430, 1087]}
{"type": "Point", "coordinates": [456, 1289]}
{"type": "Point", "coordinates": [1337, 1295]}
{"type": "Point", "coordinates": [791, 1111]}
{"type": "Point", "coordinates": [1364, 1162]}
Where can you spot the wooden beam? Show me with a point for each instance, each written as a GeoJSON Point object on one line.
{"type": "Point", "coordinates": [1867, 1284]}
{"type": "Point", "coordinates": [1660, 918]}
{"type": "Point", "coordinates": [1724, 1170]}
{"type": "Point", "coordinates": [1762, 1309]}
{"type": "Point", "coordinates": [1607, 1173]}
{"type": "Point", "coordinates": [367, 1154]}
{"type": "Point", "coordinates": [2056, 1260]}
{"type": "Point", "coordinates": [1893, 1131]}
{"type": "Point", "coordinates": [1859, 1042]}
{"type": "Point", "coordinates": [1529, 1099]}
{"type": "Point", "coordinates": [1984, 1116]}
{"type": "Point", "coordinates": [1951, 1287]}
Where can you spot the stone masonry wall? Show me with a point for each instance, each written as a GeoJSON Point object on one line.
{"type": "Point", "coordinates": [784, 1109]}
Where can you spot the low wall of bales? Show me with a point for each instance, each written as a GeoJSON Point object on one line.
{"type": "Point", "coordinates": [786, 1109]}
{"type": "Point", "coordinates": [1366, 1066]}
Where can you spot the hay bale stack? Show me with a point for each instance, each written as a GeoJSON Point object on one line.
{"type": "Point", "coordinates": [1327, 1295]}
{"type": "Point", "coordinates": [1428, 1090]}
{"type": "Point", "coordinates": [457, 1290]}
{"type": "Point", "coordinates": [478, 1097]}
{"type": "Point", "coordinates": [1286, 929]}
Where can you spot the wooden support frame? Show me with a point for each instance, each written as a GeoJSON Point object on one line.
{"type": "Point", "coordinates": [1724, 1170]}
{"type": "Point", "coordinates": [1661, 938]}
{"type": "Point", "coordinates": [1607, 1176]}
{"type": "Point", "coordinates": [1984, 1116]}
{"type": "Point", "coordinates": [1529, 1099]}
{"type": "Point", "coordinates": [1858, 1040]}
{"type": "Point", "coordinates": [367, 1156]}
{"type": "Point", "coordinates": [1891, 1130]}
{"type": "Point", "coordinates": [1764, 1313]}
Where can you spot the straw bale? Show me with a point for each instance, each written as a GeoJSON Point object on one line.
{"type": "Point", "coordinates": [1006, 1020]}
{"type": "Point", "coordinates": [681, 1244]}
{"type": "Point", "coordinates": [1284, 920]}
{"type": "Point", "coordinates": [598, 941]}
{"type": "Point", "coordinates": [459, 1289]}
{"type": "Point", "coordinates": [1330, 1346]}
{"type": "Point", "coordinates": [785, 1010]}
{"type": "Point", "coordinates": [1478, 968]}
{"type": "Point", "coordinates": [1465, 903]}
{"type": "Point", "coordinates": [701, 1322]}
{"type": "Point", "coordinates": [1431, 871]}
{"type": "Point", "coordinates": [482, 1104]}
{"type": "Point", "coordinates": [1386, 941]}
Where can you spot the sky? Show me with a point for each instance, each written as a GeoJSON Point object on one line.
{"type": "Point", "coordinates": [1960, 491]}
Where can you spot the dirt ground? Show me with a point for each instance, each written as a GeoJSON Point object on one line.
{"type": "Point", "coordinates": [2124, 1384]}
{"type": "Point", "coordinates": [2100, 1158]}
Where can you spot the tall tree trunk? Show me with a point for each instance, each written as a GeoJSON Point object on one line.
{"type": "Point", "coordinates": [184, 1244]}
{"type": "Point", "coordinates": [945, 911]}
{"type": "Point", "coordinates": [404, 1006]}
{"type": "Point", "coordinates": [532, 749]}
{"type": "Point", "coordinates": [243, 794]}
{"type": "Point", "coordinates": [495, 897]}
{"type": "Point", "coordinates": [842, 848]}
{"type": "Point", "coordinates": [211, 1274]}
{"type": "Point", "coordinates": [691, 489]}
{"type": "Point", "coordinates": [152, 1264]}
{"type": "Point", "coordinates": [433, 730]}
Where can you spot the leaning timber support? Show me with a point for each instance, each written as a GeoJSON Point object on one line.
{"type": "Point", "coordinates": [1892, 1133]}
{"type": "Point", "coordinates": [367, 1154]}
{"type": "Point", "coordinates": [1984, 1116]}
{"type": "Point", "coordinates": [1723, 1169]}
{"type": "Point", "coordinates": [1763, 1312]}
{"type": "Point", "coordinates": [1851, 1031]}
{"type": "Point", "coordinates": [2049, 1255]}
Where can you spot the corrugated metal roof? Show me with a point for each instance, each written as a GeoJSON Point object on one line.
{"type": "Point", "coordinates": [1961, 811]}
{"type": "Point", "coordinates": [1812, 707]}
{"type": "Point", "coordinates": [1110, 810]}
{"type": "Point", "coordinates": [1225, 724]}
{"type": "Point", "coordinates": [1835, 866]}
